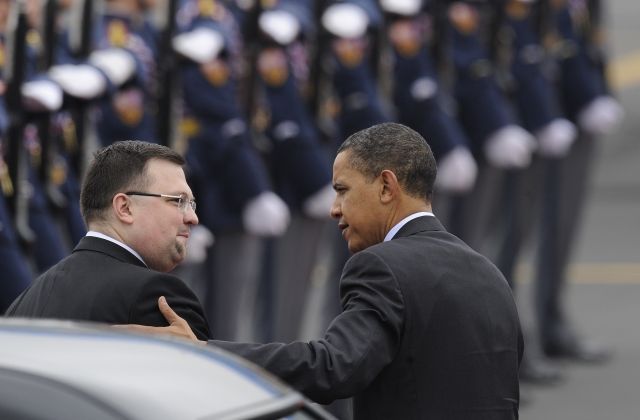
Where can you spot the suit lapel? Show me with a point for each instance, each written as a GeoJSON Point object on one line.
{"type": "Point", "coordinates": [91, 243]}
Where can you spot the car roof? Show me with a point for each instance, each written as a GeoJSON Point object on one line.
{"type": "Point", "coordinates": [145, 377]}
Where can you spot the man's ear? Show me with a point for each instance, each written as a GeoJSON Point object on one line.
{"type": "Point", "coordinates": [390, 186]}
{"type": "Point", "coordinates": [121, 205]}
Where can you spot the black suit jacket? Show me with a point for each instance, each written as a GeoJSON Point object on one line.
{"type": "Point", "coordinates": [103, 282]}
{"type": "Point", "coordinates": [429, 330]}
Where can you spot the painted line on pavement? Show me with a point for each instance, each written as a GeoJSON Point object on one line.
{"type": "Point", "coordinates": [624, 72]}
{"type": "Point", "coordinates": [592, 273]}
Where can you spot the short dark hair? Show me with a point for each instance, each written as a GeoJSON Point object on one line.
{"type": "Point", "coordinates": [398, 148]}
{"type": "Point", "coordinates": [118, 168]}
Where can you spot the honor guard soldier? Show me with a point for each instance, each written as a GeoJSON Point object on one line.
{"type": "Point", "coordinates": [16, 274]}
{"type": "Point", "coordinates": [350, 26]}
{"type": "Point", "coordinates": [350, 32]}
{"type": "Point", "coordinates": [576, 40]}
{"type": "Point", "coordinates": [49, 246]}
{"type": "Point", "coordinates": [13, 265]}
{"type": "Point", "coordinates": [111, 59]}
{"type": "Point", "coordinates": [418, 96]}
{"type": "Point", "coordinates": [124, 31]}
{"type": "Point", "coordinates": [482, 108]}
{"type": "Point", "coordinates": [53, 142]}
{"type": "Point", "coordinates": [36, 95]}
{"type": "Point", "coordinates": [299, 161]}
{"type": "Point", "coordinates": [530, 84]}
{"type": "Point", "coordinates": [235, 198]}
{"type": "Point", "coordinates": [528, 81]}
{"type": "Point", "coordinates": [498, 142]}
{"type": "Point", "coordinates": [300, 167]}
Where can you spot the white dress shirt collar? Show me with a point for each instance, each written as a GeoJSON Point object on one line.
{"type": "Point", "coordinates": [115, 241]}
{"type": "Point", "coordinates": [403, 222]}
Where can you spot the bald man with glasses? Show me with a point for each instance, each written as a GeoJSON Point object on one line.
{"type": "Point", "coordinates": [139, 211]}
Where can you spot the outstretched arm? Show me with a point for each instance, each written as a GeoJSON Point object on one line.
{"type": "Point", "coordinates": [178, 327]}
{"type": "Point", "coordinates": [144, 309]}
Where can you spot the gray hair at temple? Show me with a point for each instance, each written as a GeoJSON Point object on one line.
{"type": "Point", "coordinates": [398, 148]}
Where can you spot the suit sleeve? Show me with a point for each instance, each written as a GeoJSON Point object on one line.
{"type": "Point", "coordinates": [179, 296]}
{"type": "Point", "coordinates": [11, 310]}
{"type": "Point", "coordinates": [358, 344]}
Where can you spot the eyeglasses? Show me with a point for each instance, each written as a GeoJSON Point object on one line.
{"type": "Point", "coordinates": [183, 201]}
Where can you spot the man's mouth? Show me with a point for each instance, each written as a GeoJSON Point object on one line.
{"type": "Point", "coordinates": [343, 228]}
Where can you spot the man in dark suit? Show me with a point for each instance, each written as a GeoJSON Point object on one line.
{"type": "Point", "coordinates": [429, 328]}
{"type": "Point", "coordinates": [139, 209]}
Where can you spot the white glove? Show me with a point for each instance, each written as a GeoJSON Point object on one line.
{"type": "Point", "coordinates": [401, 7]}
{"type": "Point", "coordinates": [202, 45]}
{"type": "Point", "coordinates": [345, 20]}
{"type": "Point", "coordinates": [510, 147]}
{"type": "Point", "coordinates": [266, 215]}
{"type": "Point", "coordinates": [200, 239]}
{"type": "Point", "coordinates": [600, 116]}
{"type": "Point", "coordinates": [117, 63]}
{"type": "Point", "coordinates": [318, 205]}
{"type": "Point", "coordinates": [280, 25]}
{"type": "Point", "coordinates": [457, 171]}
{"type": "Point", "coordinates": [555, 139]}
{"type": "Point", "coordinates": [424, 88]}
{"type": "Point", "coordinates": [80, 81]}
{"type": "Point", "coordinates": [41, 95]}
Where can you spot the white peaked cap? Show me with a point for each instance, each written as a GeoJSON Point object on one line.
{"type": "Point", "coordinates": [401, 7]}
{"type": "Point", "coordinates": [201, 45]}
{"type": "Point", "coordinates": [345, 20]}
{"type": "Point", "coordinates": [280, 25]}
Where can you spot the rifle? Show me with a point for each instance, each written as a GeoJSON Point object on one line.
{"type": "Point", "coordinates": [46, 60]}
{"type": "Point", "coordinates": [81, 42]}
{"type": "Point", "coordinates": [49, 34]}
{"type": "Point", "coordinates": [595, 13]}
{"type": "Point", "coordinates": [321, 45]}
{"type": "Point", "coordinates": [497, 17]}
{"type": "Point", "coordinates": [251, 35]}
{"type": "Point", "coordinates": [440, 45]}
{"type": "Point", "coordinates": [166, 71]}
{"type": "Point", "coordinates": [17, 28]}
{"type": "Point", "coordinates": [595, 36]}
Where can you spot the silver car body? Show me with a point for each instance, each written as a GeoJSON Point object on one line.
{"type": "Point", "coordinates": [144, 377]}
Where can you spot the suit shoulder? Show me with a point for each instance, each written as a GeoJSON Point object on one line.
{"type": "Point", "coordinates": [374, 252]}
{"type": "Point", "coordinates": [155, 280]}
{"type": "Point", "coordinates": [385, 250]}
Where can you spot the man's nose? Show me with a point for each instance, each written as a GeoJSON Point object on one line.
{"type": "Point", "coordinates": [335, 210]}
{"type": "Point", "coordinates": [190, 217]}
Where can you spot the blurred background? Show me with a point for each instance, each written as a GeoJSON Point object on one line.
{"type": "Point", "coordinates": [530, 107]}
{"type": "Point", "coordinates": [605, 274]}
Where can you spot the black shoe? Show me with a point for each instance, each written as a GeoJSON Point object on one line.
{"type": "Point", "coordinates": [573, 348]}
{"type": "Point", "coordinates": [536, 371]}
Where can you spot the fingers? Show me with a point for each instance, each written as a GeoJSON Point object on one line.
{"type": "Point", "coordinates": [180, 331]}
{"type": "Point", "coordinates": [168, 313]}
{"type": "Point", "coordinates": [140, 329]}
{"type": "Point", "coordinates": [177, 325]}
{"type": "Point", "coordinates": [129, 327]}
